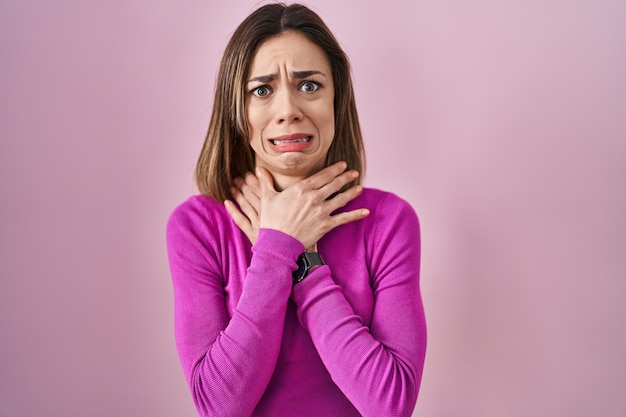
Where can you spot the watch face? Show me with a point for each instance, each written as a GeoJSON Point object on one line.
{"type": "Point", "coordinates": [305, 262]}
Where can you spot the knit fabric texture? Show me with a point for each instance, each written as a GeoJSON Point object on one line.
{"type": "Point", "coordinates": [349, 340]}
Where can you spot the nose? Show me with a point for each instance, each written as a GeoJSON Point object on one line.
{"type": "Point", "coordinates": [287, 107]}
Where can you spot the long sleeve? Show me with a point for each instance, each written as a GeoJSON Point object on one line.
{"type": "Point", "coordinates": [228, 357]}
{"type": "Point", "coordinates": [379, 367]}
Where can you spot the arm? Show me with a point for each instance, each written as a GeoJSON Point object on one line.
{"type": "Point", "coordinates": [379, 369]}
{"type": "Point", "coordinates": [388, 357]}
{"type": "Point", "coordinates": [227, 362]}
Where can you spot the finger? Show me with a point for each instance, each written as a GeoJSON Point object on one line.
{"type": "Point", "coordinates": [339, 182]}
{"type": "Point", "coordinates": [343, 198]}
{"type": "Point", "coordinates": [325, 176]}
{"type": "Point", "coordinates": [238, 182]}
{"type": "Point", "coordinates": [251, 190]}
{"type": "Point", "coordinates": [244, 204]}
{"type": "Point", "coordinates": [249, 185]}
{"type": "Point", "coordinates": [252, 181]}
{"type": "Point", "coordinates": [266, 182]}
{"type": "Point", "coordinates": [240, 220]}
{"type": "Point", "coordinates": [348, 217]}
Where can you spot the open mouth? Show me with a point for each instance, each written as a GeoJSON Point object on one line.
{"type": "Point", "coordinates": [304, 139]}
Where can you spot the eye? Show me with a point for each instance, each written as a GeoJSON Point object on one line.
{"type": "Point", "coordinates": [261, 91]}
{"type": "Point", "coordinates": [309, 86]}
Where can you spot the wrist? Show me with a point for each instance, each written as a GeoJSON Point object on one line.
{"type": "Point", "coordinates": [306, 262]}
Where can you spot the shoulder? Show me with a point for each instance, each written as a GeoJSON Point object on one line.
{"type": "Point", "coordinates": [195, 208]}
{"type": "Point", "coordinates": [391, 216]}
{"type": "Point", "coordinates": [383, 204]}
{"type": "Point", "coordinates": [197, 215]}
{"type": "Point", "coordinates": [393, 236]}
{"type": "Point", "coordinates": [198, 230]}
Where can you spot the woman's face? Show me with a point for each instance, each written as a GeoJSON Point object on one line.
{"type": "Point", "coordinates": [289, 105]}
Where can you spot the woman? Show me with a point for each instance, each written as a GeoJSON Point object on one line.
{"type": "Point", "coordinates": [299, 294]}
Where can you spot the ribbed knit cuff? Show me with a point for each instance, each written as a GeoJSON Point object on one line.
{"type": "Point", "coordinates": [277, 244]}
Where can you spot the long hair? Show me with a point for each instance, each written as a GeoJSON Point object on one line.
{"type": "Point", "coordinates": [226, 153]}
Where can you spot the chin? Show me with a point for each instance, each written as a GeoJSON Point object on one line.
{"type": "Point", "coordinates": [299, 162]}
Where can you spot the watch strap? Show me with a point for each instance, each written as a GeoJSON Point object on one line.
{"type": "Point", "coordinates": [306, 261]}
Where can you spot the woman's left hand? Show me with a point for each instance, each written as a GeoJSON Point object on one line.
{"type": "Point", "coordinates": [246, 194]}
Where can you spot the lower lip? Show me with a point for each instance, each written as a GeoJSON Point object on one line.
{"type": "Point", "coordinates": [291, 146]}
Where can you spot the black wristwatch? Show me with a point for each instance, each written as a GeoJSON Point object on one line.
{"type": "Point", "coordinates": [306, 262]}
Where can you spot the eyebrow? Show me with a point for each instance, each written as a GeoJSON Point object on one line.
{"type": "Point", "coordinates": [296, 74]}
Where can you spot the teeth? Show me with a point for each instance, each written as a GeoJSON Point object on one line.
{"type": "Point", "coordinates": [281, 142]}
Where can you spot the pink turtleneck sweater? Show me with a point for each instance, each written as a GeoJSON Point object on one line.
{"type": "Point", "coordinates": [349, 340]}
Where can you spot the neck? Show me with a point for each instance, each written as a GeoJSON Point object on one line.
{"type": "Point", "coordinates": [282, 181]}
{"type": "Point", "coordinates": [287, 177]}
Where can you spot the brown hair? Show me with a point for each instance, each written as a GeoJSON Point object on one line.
{"type": "Point", "coordinates": [226, 153]}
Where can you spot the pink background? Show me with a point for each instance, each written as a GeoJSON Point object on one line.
{"type": "Point", "coordinates": [503, 123]}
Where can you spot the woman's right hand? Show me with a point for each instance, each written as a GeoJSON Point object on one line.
{"type": "Point", "coordinates": [303, 209]}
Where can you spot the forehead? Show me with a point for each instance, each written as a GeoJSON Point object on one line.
{"type": "Point", "coordinates": [289, 49]}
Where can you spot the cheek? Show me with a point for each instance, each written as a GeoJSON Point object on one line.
{"type": "Point", "coordinates": [328, 123]}
{"type": "Point", "coordinates": [254, 124]}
